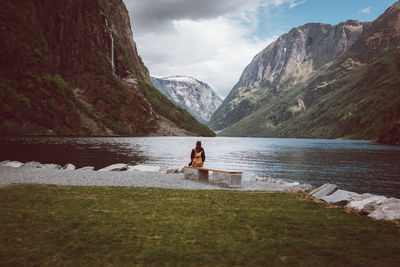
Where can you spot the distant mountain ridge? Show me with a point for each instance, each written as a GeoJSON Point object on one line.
{"type": "Point", "coordinates": [351, 92]}
{"type": "Point", "coordinates": [197, 97]}
{"type": "Point", "coordinates": [72, 68]}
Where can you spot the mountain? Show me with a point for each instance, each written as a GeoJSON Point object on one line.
{"type": "Point", "coordinates": [197, 97]}
{"type": "Point", "coordinates": [353, 94]}
{"type": "Point", "coordinates": [293, 57]}
{"type": "Point", "coordinates": [72, 68]}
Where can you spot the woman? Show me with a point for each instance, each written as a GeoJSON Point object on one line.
{"type": "Point", "coordinates": [198, 156]}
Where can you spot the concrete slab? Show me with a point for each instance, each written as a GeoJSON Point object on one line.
{"type": "Point", "coordinates": [324, 190]}
{"type": "Point", "coordinates": [340, 197]}
{"type": "Point", "coordinates": [114, 167]}
{"type": "Point", "coordinates": [226, 179]}
{"type": "Point", "coordinates": [191, 174]}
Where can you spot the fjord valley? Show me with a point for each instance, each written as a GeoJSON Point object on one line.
{"type": "Point", "coordinates": [72, 68]}
{"type": "Point", "coordinates": [321, 81]}
{"type": "Point", "coordinates": [197, 97]}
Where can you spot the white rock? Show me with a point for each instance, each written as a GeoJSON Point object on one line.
{"type": "Point", "coordinates": [33, 164]}
{"type": "Point", "coordinates": [69, 167]}
{"type": "Point", "coordinates": [144, 168]}
{"type": "Point", "coordinates": [362, 202]}
{"type": "Point", "coordinates": [340, 197]}
{"type": "Point", "coordinates": [324, 190]}
{"type": "Point", "coordinates": [388, 210]}
{"type": "Point", "coordinates": [13, 164]}
{"type": "Point", "coordinates": [114, 167]}
{"type": "Point", "coordinates": [4, 162]}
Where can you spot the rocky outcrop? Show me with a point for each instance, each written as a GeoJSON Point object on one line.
{"type": "Point", "coordinates": [283, 64]}
{"type": "Point", "coordinates": [71, 67]}
{"type": "Point", "coordinates": [197, 97]}
{"type": "Point", "coordinates": [382, 36]}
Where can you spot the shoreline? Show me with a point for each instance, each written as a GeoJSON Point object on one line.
{"type": "Point", "coordinates": [144, 176]}
{"type": "Point", "coordinates": [52, 174]}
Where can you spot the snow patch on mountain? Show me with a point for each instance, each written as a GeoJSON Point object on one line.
{"type": "Point", "coordinates": [197, 97]}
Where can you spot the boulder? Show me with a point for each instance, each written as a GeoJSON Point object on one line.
{"type": "Point", "coordinates": [387, 210]}
{"type": "Point", "coordinates": [69, 167]}
{"type": "Point", "coordinates": [340, 197]}
{"type": "Point", "coordinates": [324, 190]}
{"type": "Point", "coordinates": [144, 168]}
{"type": "Point", "coordinates": [13, 164]}
{"type": "Point", "coordinates": [364, 203]}
{"type": "Point", "coordinates": [114, 167]}
{"type": "Point", "coordinates": [4, 162]}
{"type": "Point", "coordinates": [33, 164]}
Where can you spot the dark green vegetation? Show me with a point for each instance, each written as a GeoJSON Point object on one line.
{"type": "Point", "coordinates": [56, 75]}
{"type": "Point", "coordinates": [54, 225]}
{"type": "Point", "coordinates": [352, 100]}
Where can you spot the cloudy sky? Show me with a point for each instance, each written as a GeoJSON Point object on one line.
{"type": "Point", "coordinates": [214, 40]}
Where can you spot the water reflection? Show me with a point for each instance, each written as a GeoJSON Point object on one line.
{"type": "Point", "coordinates": [359, 166]}
{"type": "Point", "coordinates": [97, 152]}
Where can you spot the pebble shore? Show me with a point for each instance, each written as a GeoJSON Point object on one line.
{"type": "Point", "coordinates": [30, 173]}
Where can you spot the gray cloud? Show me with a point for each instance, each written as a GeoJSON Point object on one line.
{"type": "Point", "coordinates": [157, 15]}
{"type": "Point", "coordinates": [205, 39]}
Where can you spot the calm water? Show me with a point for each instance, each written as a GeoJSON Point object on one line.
{"type": "Point", "coordinates": [359, 166]}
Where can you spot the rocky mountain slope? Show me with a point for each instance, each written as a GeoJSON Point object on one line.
{"type": "Point", "coordinates": [352, 94]}
{"type": "Point", "coordinates": [292, 58]}
{"type": "Point", "coordinates": [197, 97]}
{"type": "Point", "coordinates": [71, 67]}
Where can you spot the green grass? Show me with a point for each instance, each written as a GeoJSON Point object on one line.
{"type": "Point", "coordinates": [57, 225]}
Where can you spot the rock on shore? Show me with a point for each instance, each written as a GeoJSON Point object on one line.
{"type": "Point", "coordinates": [377, 207]}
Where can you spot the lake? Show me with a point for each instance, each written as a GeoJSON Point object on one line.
{"type": "Point", "coordinates": [359, 166]}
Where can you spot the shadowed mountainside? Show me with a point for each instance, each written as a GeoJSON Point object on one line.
{"type": "Point", "coordinates": [71, 67]}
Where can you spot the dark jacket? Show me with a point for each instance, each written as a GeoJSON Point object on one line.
{"type": "Point", "coordinates": [203, 155]}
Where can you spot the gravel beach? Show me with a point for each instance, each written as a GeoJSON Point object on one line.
{"type": "Point", "coordinates": [377, 207]}
{"type": "Point", "coordinates": [31, 175]}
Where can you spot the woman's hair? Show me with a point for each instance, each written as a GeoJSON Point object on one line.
{"type": "Point", "coordinates": [198, 144]}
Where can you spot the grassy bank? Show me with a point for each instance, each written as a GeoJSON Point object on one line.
{"type": "Point", "coordinates": [55, 225]}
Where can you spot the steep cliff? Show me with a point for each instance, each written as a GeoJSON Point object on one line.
{"type": "Point", "coordinates": [292, 58]}
{"type": "Point", "coordinates": [355, 96]}
{"type": "Point", "coordinates": [197, 97]}
{"type": "Point", "coordinates": [71, 67]}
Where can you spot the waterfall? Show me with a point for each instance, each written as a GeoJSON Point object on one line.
{"type": "Point", "coordinates": [112, 48]}
{"type": "Point", "coordinates": [112, 53]}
